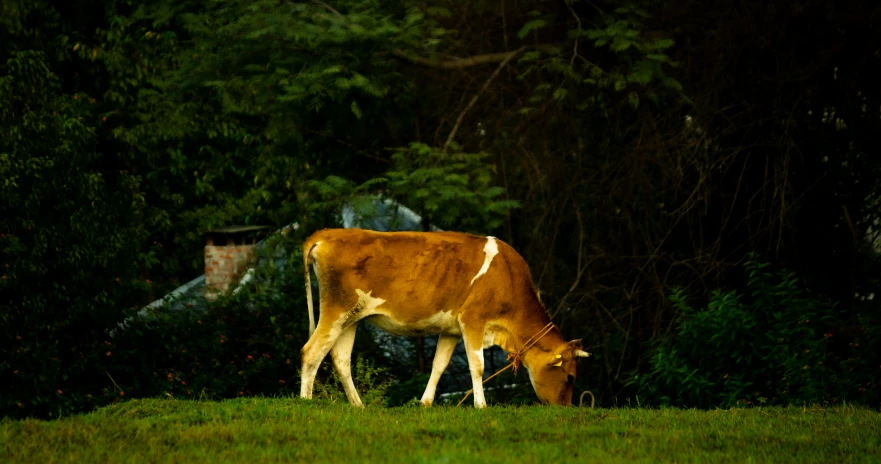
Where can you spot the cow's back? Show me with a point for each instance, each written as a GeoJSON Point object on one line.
{"type": "Point", "coordinates": [416, 274]}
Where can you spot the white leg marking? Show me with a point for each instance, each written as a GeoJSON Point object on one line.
{"type": "Point", "coordinates": [445, 346]}
{"type": "Point", "coordinates": [325, 337]}
{"type": "Point", "coordinates": [316, 349]}
{"type": "Point", "coordinates": [491, 249]}
{"type": "Point", "coordinates": [341, 353]}
{"type": "Point", "coordinates": [475, 363]}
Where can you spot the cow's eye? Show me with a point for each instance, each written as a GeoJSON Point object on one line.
{"type": "Point", "coordinates": [570, 378]}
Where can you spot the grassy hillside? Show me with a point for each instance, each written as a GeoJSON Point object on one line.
{"type": "Point", "coordinates": [272, 430]}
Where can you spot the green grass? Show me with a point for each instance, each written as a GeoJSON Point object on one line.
{"type": "Point", "coordinates": [273, 430]}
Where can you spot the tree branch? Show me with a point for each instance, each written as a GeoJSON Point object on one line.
{"type": "Point", "coordinates": [579, 267]}
{"type": "Point", "coordinates": [577, 19]}
{"type": "Point", "coordinates": [509, 56]}
{"type": "Point", "coordinates": [326, 7]}
{"type": "Point", "coordinates": [344, 143]}
{"type": "Point", "coordinates": [504, 25]}
{"type": "Point", "coordinates": [457, 64]}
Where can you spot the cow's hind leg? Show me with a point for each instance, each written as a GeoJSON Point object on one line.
{"type": "Point", "coordinates": [446, 344]}
{"type": "Point", "coordinates": [322, 340]}
{"type": "Point", "coordinates": [341, 353]}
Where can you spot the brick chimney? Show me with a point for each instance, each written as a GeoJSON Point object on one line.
{"type": "Point", "coordinates": [228, 252]}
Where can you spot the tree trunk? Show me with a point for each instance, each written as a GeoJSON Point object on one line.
{"type": "Point", "coordinates": [420, 353]}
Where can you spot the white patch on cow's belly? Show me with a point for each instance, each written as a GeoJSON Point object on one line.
{"type": "Point", "coordinates": [367, 303]}
{"type": "Point", "coordinates": [443, 322]}
{"type": "Point", "coordinates": [491, 249]}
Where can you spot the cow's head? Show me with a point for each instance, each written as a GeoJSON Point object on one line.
{"type": "Point", "coordinates": [552, 372]}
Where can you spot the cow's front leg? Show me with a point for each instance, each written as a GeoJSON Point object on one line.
{"type": "Point", "coordinates": [473, 339]}
{"type": "Point", "coordinates": [446, 344]}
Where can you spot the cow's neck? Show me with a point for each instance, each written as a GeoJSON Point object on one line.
{"type": "Point", "coordinates": [519, 333]}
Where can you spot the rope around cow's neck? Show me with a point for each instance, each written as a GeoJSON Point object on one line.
{"type": "Point", "coordinates": [514, 357]}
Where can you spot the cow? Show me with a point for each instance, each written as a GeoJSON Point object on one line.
{"type": "Point", "coordinates": [448, 284]}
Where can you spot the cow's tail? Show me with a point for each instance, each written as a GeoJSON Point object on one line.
{"type": "Point", "coordinates": [307, 260]}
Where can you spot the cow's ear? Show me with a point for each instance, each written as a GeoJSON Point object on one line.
{"type": "Point", "coordinates": [575, 344]}
{"type": "Point", "coordinates": [556, 361]}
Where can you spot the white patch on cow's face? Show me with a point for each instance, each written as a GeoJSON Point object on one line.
{"type": "Point", "coordinates": [368, 303]}
{"type": "Point", "coordinates": [491, 249]}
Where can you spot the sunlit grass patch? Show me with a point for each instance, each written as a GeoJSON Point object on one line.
{"type": "Point", "coordinates": [264, 430]}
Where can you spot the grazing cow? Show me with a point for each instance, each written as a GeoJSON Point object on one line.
{"type": "Point", "coordinates": [426, 283]}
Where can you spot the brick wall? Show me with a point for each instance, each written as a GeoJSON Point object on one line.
{"type": "Point", "coordinates": [225, 264]}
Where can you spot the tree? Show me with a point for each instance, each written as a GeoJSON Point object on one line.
{"type": "Point", "coordinates": [67, 264]}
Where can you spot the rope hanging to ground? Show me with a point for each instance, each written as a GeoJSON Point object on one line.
{"type": "Point", "coordinates": [514, 357]}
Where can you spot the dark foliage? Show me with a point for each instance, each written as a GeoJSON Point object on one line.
{"type": "Point", "coordinates": [624, 148]}
{"type": "Point", "coordinates": [772, 345]}
{"type": "Point", "coordinates": [67, 270]}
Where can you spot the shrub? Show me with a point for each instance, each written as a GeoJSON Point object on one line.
{"type": "Point", "coordinates": [768, 346]}
{"type": "Point", "coordinates": [372, 383]}
{"type": "Point", "coordinates": [68, 269]}
{"type": "Point", "coordinates": [241, 344]}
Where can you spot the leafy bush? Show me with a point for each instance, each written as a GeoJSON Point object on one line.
{"type": "Point", "coordinates": [68, 221]}
{"type": "Point", "coordinates": [769, 346]}
{"type": "Point", "coordinates": [454, 191]}
{"type": "Point", "coordinates": [241, 344]}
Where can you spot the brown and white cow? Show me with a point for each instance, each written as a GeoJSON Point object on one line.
{"type": "Point", "coordinates": [425, 283]}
